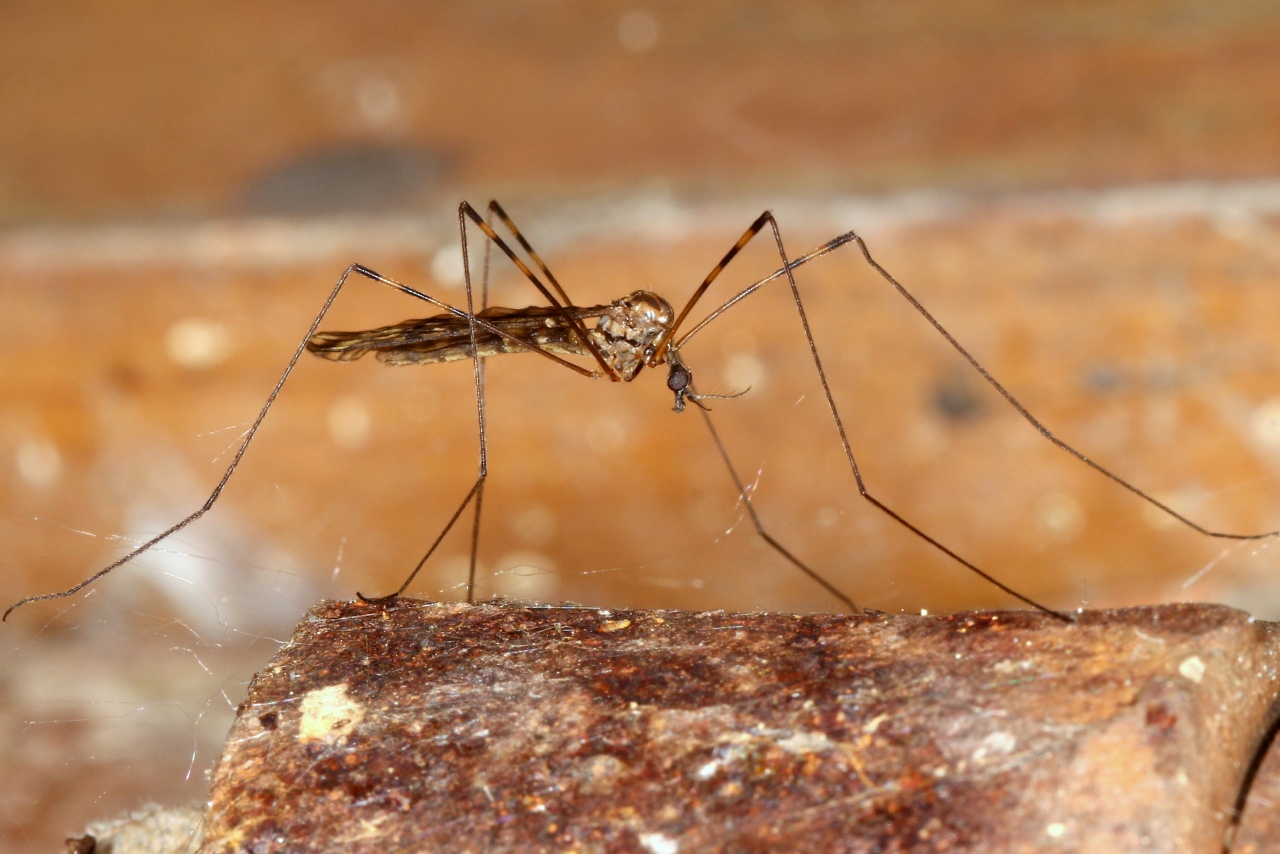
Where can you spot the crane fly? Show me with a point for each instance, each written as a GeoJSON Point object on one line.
{"type": "Point", "coordinates": [640, 330]}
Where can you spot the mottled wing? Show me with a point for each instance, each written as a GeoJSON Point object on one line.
{"type": "Point", "coordinates": [447, 337]}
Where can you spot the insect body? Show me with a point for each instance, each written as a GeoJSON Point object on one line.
{"type": "Point", "coordinates": [447, 338]}
{"type": "Point", "coordinates": [627, 334]}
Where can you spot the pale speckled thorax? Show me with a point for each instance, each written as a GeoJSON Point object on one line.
{"type": "Point", "coordinates": [628, 333]}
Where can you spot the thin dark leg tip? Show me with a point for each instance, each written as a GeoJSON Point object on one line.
{"type": "Point", "coordinates": [16, 605]}
{"type": "Point", "coordinates": [376, 600]}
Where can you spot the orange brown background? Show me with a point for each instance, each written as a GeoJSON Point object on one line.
{"type": "Point", "coordinates": [1083, 193]}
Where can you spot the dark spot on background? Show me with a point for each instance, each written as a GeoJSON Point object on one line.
{"type": "Point", "coordinates": [350, 179]}
{"type": "Point", "coordinates": [123, 377]}
{"type": "Point", "coordinates": [1105, 378]}
{"type": "Point", "coordinates": [1152, 378]}
{"type": "Point", "coordinates": [1165, 377]}
{"type": "Point", "coordinates": [955, 397]}
{"type": "Point", "coordinates": [1160, 718]}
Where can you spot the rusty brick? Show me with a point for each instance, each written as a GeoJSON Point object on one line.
{"type": "Point", "coordinates": [501, 727]}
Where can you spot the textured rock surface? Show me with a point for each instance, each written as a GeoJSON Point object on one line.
{"type": "Point", "coordinates": [500, 727]}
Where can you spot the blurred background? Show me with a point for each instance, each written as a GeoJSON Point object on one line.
{"type": "Point", "coordinates": [1085, 195]}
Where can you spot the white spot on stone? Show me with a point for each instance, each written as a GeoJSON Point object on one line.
{"type": "Point", "coordinates": [804, 743]}
{"type": "Point", "coordinates": [1192, 668]}
{"type": "Point", "coordinates": [349, 422]}
{"type": "Point", "coordinates": [995, 744]}
{"type": "Point", "coordinates": [707, 771]}
{"type": "Point", "coordinates": [38, 461]}
{"type": "Point", "coordinates": [1055, 830]}
{"type": "Point", "coordinates": [874, 724]}
{"type": "Point", "coordinates": [328, 714]}
{"type": "Point", "coordinates": [1001, 742]}
{"type": "Point", "coordinates": [638, 30]}
{"type": "Point", "coordinates": [659, 843]}
{"type": "Point", "coordinates": [197, 343]}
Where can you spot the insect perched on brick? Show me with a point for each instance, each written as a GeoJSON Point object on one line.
{"type": "Point", "coordinates": [620, 339]}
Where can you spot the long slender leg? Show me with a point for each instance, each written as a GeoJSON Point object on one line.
{"type": "Point", "coordinates": [853, 237]}
{"type": "Point", "coordinates": [752, 231]}
{"type": "Point", "coordinates": [477, 489]}
{"type": "Point", "coordinates": [475, 526]}
{"type": "Point", "coordinates": [496, 210]}
{"type": "Point", "coordinates": [576, 324]}
{"type": "Point", "coordinates": [743, 495]}
{"type": "Point", "coordinates": [465, 212]}
{"type": "Point", "coordinates": [564, 302]}
{"type": "Point", "coordinates": [244, 445]}
{"type": "Point", "coordinates": [853, 607]}
{"type": "Point", "coordinates": [475, 523]}
{"type": "Point", "coordinates": [756, 227]}
{"type": "Point", "coordinates": [1035, 422]}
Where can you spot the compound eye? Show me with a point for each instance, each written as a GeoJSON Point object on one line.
{"type": "Point", "coordinates": [652, 307]}
{"type": "Point", "coordinates": [679, 378]}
